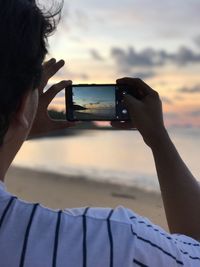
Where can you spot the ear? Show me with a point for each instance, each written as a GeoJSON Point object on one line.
{"type": "Point", "coordinates": [21, 115]}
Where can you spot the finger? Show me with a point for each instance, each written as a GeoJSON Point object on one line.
{"type": "Point", "coordinates": [48, 63]}
{"type": "Point", "coordinates": [136, 84]}
{"type": "Point", "coordinates": [53, 69]}
{"type": "Point", "coordinates": [54, 90]}
{"type": "Point", "coordinates": [131, 81]}
{"type": "Point", "coordinates": [131, 103]}
{"type": "Point", "coordinates": [50, 68]}
{"type": "Point", "coordinates": [122, 125]}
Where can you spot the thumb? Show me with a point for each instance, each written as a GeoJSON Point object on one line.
{"type": "Point", "coordinates": [131, 102]}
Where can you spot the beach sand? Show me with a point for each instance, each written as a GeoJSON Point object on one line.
{"type": "Point", "coordinates": [60, 192]}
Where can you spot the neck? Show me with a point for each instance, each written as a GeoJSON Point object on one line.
{"type": "Point", "coordinates": [8, 152]}
{"type": "Point", "coordinates": [2, 179]}
{"type": "Point", "coordinates": [6, 160]}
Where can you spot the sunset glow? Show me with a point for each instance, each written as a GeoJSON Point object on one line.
{"type": "Point", "coordinates": [158, 41]}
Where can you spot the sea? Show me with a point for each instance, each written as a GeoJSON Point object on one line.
{"type": "Point", "coordinates": [119, 157]}
{"type": "Point", "coordinates": [109, 112]}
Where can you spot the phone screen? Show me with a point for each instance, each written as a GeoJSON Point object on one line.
{"type": "Point", "coordinates": [94, 102]}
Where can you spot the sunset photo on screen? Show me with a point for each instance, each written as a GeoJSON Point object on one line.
{"type": "Point", "coordinates": [96, 102]}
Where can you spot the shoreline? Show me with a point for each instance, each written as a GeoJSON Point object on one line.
{"type": "Point", "coordinates": [58, 191]}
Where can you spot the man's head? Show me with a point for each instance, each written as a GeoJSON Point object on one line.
{"type": "Point", "coordinates": [24, 29]}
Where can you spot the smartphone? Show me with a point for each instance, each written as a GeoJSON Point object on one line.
{"type": "Point", "coordinates": [96, 102]}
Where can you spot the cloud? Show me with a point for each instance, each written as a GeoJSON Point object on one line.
{"type": "Point", "coordinates": [197, 41]}
{"type": "Point", "coordinates": [146, 58]}
{"type": "Point", "coordinates": [96, 55]}
{"type": "Point", "coordinates": [135, 64]}
{"type": "Point", "coordinates": [95, 103]}
{"type": "Point", "coordinates": [195, 113]}
{"type": "Point", "coordinates": [150, 57]}
{"type": "Point", "coordinates": [191, 90]}
{"type": "Point", "coordinates": [184, 56]}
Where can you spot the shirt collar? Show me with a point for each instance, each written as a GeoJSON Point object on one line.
{"type": "Point", "coordinates": [2, 186]}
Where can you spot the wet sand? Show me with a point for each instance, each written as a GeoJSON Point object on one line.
{"type": "Point", "coordinates": [60, 192]}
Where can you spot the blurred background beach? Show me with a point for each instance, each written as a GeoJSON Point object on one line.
{"type": "Point", "coordinates": [100, 41]}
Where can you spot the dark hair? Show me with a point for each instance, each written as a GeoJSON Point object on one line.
{"type": "Point", "coordinates": [24, 29]}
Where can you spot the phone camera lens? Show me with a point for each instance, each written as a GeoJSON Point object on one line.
{"type": "Point", "coordinates": [124, 111]}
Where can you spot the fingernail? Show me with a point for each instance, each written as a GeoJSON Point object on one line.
{"type": "Point", "coordinates": [65, 83]}
{"type": "Point", "coordinates": [62, 62]}
{"type": "Point", "coordinates": [69, 82]}
{"type": "Point", "coordinates": [119, 80]}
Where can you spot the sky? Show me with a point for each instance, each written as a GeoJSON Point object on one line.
{"type": "Point", "coordinates": [158, 41]}
{"type": "Point", "coordinates": [95, 98]}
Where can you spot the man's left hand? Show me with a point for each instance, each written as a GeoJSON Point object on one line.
{"type": "Point", "coordinates": [43, 124]}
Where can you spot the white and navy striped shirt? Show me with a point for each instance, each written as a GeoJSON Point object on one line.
{"type": "Point", "coordinates": [34, 236]}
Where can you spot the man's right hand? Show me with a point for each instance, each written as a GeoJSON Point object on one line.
{"type": "Point", "coordinates": [145, 112]}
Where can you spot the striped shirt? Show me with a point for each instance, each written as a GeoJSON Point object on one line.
{"type": "Point", "coordinates": [32, 235]}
